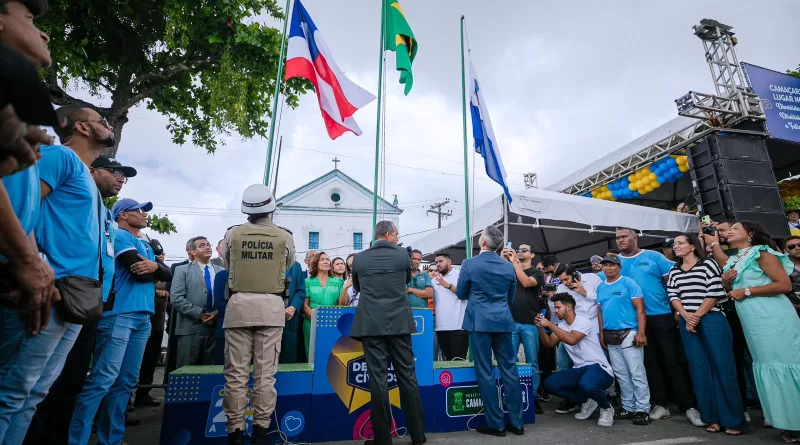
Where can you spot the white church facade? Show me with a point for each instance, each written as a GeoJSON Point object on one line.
{"type": "Point", "coordinates": [332, 213]}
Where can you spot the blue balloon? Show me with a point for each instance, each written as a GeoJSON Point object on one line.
{"type": "Point", "coordinates": [680, 174]}
{"type": "Point", "coordinates": [674, 171]}
{"type": "Point", "coordinates": [636, 194]}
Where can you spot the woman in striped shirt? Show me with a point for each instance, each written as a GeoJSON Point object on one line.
{"type": "Point", "coordinates": [695, 291]}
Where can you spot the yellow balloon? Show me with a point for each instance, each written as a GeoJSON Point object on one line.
{"type": "Point", "coordinates": [632, 186]}
{"type": "Point", "coordinates": [632, 177]}
{"type": "Point", "coordinates": [683, 167]}
{"type": "Point", "coordinates": [655, 185]}
{"type": "Point", "coordinates": [649, 188]}
{"type": "Point", "coordinates": [653, 177]}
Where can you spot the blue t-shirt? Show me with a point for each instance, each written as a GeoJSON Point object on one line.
{"type": "Point", "coordinates": [108, 252]}
{"type": "Point", "coordinates": [68, 231]}
{"type": "Point", "coordinates": [24, 193]}
{"type": "Point", "coordinates": [132, 296]}
{"type": "Point", "coordinates": [615, 301]}
{"type": "Point", "coordinates": [420, 281]}
{"type": "Point", "coordinates": [648, 268]}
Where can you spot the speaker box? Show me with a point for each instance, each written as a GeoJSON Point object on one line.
{"type": "Point", "coordinates": [732, 179]}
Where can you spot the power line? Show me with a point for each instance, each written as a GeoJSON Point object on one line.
{"type": "Point", "coordinates": [439, 213]}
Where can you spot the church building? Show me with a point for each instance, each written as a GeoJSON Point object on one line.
{"type": "Point", "coordinates": [332, 213]}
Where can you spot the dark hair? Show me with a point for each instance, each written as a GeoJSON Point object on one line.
{"type": "Point", "coordinates": [70, 115]}
{"type": "Point", "coordinates": [347, 266]}
{"type": "Point", "coordinates": [633, 232]}
{"type": "Point", "coordinates": [313, 268]}
{"type": "Point", "coordinates": [383, 228]}
{"type": "Point", "coordinates": [758, 234]}
{"type": "Point", "coordinates": [343, 261]}
{"type": "Point", "coordinates": [255, 217]}
{"type": "Point", "coordinates": [442, 253]}
{"type": "Point", "coordinates": [786, 241]}
{"type": "Point", "coordinates": [549, 260]}
{"type": "Point", "coordinates": [698, 248]}
{"type": "Point", "coordinates": [193, 242]}
{"type": "Point", "coordinates": [416, 251]}
{"type": "Point", "coordinates": [562, 268]}
{"type": "Point", "coordinates": [614, 251]}
{"type": "Point", "coordinates": [563, 298]}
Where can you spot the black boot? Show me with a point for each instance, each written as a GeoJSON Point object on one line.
{"type": "Point", "coordinates": [259, 436]}
{"type": "Point", "coordinates": [236, 438]}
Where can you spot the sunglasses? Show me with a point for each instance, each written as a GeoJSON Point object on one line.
{"type": "Point", "coordinates": [792, 246]}
{"type": "Point", "coordinates": [102, 121]}
{"type": "Point", "coordinates": [523, 250]}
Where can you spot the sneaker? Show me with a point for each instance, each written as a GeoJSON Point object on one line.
{"type": "Point", "coordinates": [746, 416]}
{"type": "Point", "coordinates": [587, 409]}
{"type": "Point", "coordinates": [694, 416]}
{"type": "Point", "coordinates": [624, 414]}
{"type": "Point", "coordinates": [565, 407]}
{"type": "Point", "coordinates": [545, 397]}
{"type": "Point", "coordinates": [641, 418]}
{"type": "Point", "coordinates": [659, 412]}
{"type": "Point", "coordinates": [606, 416]}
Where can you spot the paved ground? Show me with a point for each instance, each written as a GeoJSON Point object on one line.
{"type": "Point", "coordinates": [550, 428]}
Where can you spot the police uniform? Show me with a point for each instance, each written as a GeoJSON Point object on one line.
{"type": "Point", "coordinates": [258, 255]}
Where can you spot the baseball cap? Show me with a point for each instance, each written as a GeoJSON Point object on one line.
{"type": "Point", "coordinates": [611, 258]}
{"type": "Point", "coordinates": [595, 259]}
{"type": "Point", "coordinates": [111, 163]}
{"type": "Point", "coordinates": [127, 204]}
{"type": "Point", "coordinates": [36, 7]}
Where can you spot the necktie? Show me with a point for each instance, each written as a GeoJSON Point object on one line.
{"type": "Point", "coordinates": [209, 296]}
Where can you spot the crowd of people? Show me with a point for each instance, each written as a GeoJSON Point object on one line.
{"type": "Point", "coordinates": [710, 326]}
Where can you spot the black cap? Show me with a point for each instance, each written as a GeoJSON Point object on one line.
{"type": "Point", "coordinates": [36, 7]}
{"type": "Point", "coordinates": [611, 258]}
{"type": "Point", "coordinates": [111, 163]}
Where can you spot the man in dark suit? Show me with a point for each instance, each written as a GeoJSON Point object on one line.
{"type": "Point", "coordinates": [489, 283]}
{"type": "Point", "coordinates": [384, 325]}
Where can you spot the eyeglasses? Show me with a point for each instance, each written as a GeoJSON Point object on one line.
{"type": "Point", "coordinates": [117, 174]}
{"type": "Point", "coordinates": [203, 245]}
{"type": "Point", "coordinates": [523, 250]}
{"type": "Point", "coordinates": [102, 121]}
{"type": "Point", "coordinates": [792, 246]}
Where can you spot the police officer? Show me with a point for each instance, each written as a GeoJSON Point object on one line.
{"type": "Point", "coordinates": [257, 253]}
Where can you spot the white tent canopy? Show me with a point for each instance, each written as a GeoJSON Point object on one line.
{"type": "Point", "coordinates": [572, 227]}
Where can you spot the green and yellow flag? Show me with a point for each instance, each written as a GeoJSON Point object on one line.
{"type": "Point", "coordinates": [400, 39]}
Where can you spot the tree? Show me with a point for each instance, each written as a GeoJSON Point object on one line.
{"type": "Point", "coordinates": [795, 73]}
{"type": "Point", "coordinates": [206, 65]}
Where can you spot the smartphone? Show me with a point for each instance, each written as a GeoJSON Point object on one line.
{"type": "Point", "coordinates": [508, 245]}
{"type": "Point", "coordinates": [543, 313]}
{"type": "Point", "coordinates": [706, 219]}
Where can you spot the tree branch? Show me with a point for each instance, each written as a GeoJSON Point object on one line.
{"type": "Point", "coordinates": [164, 76]}
{"type": "Point", "coordinates": [60, 97]}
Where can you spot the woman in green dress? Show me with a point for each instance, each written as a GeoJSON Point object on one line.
{"type": "Point", "coordinates": [757, 277]}
{"type": "Point", "coordinates": [322, 289]}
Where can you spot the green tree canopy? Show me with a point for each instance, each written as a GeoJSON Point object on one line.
{"type": "Point", "coordinates": [795, 73]}
{"type": "Point", "coordinates": [208, 65]}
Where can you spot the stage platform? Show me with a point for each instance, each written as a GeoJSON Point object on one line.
{"type": "Point", "coordinates": [329, 400]}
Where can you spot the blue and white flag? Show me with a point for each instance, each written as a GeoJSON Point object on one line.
{"type": "Point", "coordinates": [485, 140]}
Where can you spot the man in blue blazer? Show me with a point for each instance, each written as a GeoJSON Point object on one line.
{"type": "Point", "coordinates": [488, 283]}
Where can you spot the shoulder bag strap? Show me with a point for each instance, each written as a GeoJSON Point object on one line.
{"type": "Point", "coordinates": [100, 238]}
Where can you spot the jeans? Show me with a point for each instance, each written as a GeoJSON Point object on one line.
{"type": "Point", "coordinates": [121, 340]}
{"type": "Point", "coordinates": [563, 362]}
{"type": "Point", "coordinates": [576, 385]}
{"type": "Point", "coordinates": [28, 367]}
{"type": "Point", "coordinates": [627, 360]}
{"type": "Point", "coordinates": [529, 335]}
{"type": "Point", "coordinates": [713, 370]}
{"type": "Point", "coordinates": [665, 363]}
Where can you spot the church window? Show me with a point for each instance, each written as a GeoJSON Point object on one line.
{"type": "Point", "coordinates": [313, 240]}
{"type": "Point", "coordinates": [335, 197]}
{"type": "Point", "coordinates": [358, 241]}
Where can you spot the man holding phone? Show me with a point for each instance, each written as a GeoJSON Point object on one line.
{"type": "Point", "coordinates": [525, 307]}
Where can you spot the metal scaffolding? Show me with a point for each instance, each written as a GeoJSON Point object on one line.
{"type": "Point", "coordinates": [733, 104]}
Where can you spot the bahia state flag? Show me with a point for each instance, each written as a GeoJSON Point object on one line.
{"type": "Point", "coordinates": [400, 39]}
{"type": "Point", "coordinates": [485, 140]}
{"type": "Point", "coordinates": [309, 57]}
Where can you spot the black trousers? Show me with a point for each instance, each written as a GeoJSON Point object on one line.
{"type": "Point", "coordinates": [665, 363]}
{"type": "Point", "coordinates": [739, 347]}
{"type": "Point", "coordinates": [547, 364]}
{"type": "Point", "coordinates": [50, 424]}
{"type": "Point", "coordinates": [454, 344]}
{"type": "Point", "coordinates": [152, 352]}
{"type": "Point", "coordinates": [376, 352]}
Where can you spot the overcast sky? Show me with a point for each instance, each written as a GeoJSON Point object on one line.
{"type": "Point", "coordinates": [565, 83]}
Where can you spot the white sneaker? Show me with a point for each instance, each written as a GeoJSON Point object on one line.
{"type": "Point", "coordinates": [694, 416]}
{"type": "Point", "coordinates": [606, 417]}
{"type": "Point", "coordinates": [586, 410]}
{"type": "Point", "coordinates": [659, 412]}
{"type": "Point", "coordinates": [746, 416]}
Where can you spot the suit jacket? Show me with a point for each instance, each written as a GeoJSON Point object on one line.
{"type": "Point", "coordinates": [488, 282]}
{"type": "Point", "coordinates": [189, 297]}
{"type": "Point", "coordinates": [296, 293]}
{"type": "Point", "coordinates": [221, 295]}
{"type": "Point", "coordinates": [381, 274]}
{"type": "Point", "coordinates": [172, 269]}
{"type": "Point", "coordinates": [219, 261]}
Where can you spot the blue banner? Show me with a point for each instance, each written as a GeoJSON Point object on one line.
{"type": "Point", "coordinates": [780, 97]}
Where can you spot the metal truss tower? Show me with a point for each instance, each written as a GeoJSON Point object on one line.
{"type": "Point", "coordinates": [733, 103]}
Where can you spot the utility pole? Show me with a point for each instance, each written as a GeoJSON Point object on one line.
{"type": "Point", "coordinates": [439, 212]}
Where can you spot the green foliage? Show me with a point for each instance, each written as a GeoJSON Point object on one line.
{"type": "Point", "coordinates": [157, 223]}
{"type": "Point", "coordinates": [208, 66]}
{"type": "Point", "coordinates": [795, 73]}
{"type": "Point", "coordinates": [792, 203]}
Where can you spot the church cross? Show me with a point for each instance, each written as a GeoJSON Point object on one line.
{"type": "Point", "coordinates": [336, 162]}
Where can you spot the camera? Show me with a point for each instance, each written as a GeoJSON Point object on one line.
{"type": "Point", "coordinates": [158, 249]}
{"type": "Point", "coordinates": [709, 230]}
{"type": "Point", "coordinates": [549, 287]}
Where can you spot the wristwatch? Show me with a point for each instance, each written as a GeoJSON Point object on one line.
{"type": "Point", "coordinates": [712, 245]}
{"type": "Point", "coordinates": [747, 292]}
{"type": "Point", "coordinates": [450, 288]}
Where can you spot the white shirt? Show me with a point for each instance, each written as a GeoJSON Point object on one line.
{"type": "Point", "coordinates": [449, 309]}
{"type": "Point", "coordinates": [587, 305]}
{"type": "Point", "coordinates": [211, 271]}
{"type": "Point", "coordinates": [587, 351]}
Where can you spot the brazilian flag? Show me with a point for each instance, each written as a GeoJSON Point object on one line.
{"type": "Point", "coordinates": [400, 39]}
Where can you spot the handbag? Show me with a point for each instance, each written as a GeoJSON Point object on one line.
{"type": "Point", "coordinates": [82, 297]}
{"type": "Point", "coordinates": [614, 338]}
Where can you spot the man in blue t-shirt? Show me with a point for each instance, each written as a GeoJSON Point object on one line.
{"type": "Point", "coordinates": [123, 332]}
{"type": "Point", "coordinates": [664, 357]}
{"type": "Point", "coordinates": [420, 288]}
{"type": "Point", "coordinates": [68, 232]}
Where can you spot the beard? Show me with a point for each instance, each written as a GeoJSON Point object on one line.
{"type": "Point", "coordinates": [108, 141]}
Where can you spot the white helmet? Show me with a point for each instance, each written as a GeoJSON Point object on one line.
{"type": "Point", "coordinates": [257, 199]}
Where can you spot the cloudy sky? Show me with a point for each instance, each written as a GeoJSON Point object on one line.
{"type": "Point", "coordinates": [565, 83]}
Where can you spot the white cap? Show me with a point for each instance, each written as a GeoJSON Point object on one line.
{"type": "Point", "coordinates": [258, 199]}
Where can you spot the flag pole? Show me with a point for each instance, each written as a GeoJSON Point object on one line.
{"type": "Point", "coordinates": [276, 98]}
{"type": "Point", "coordinates": [378, 125]}
{"type": "Point", "coordinates": [468, 245]}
